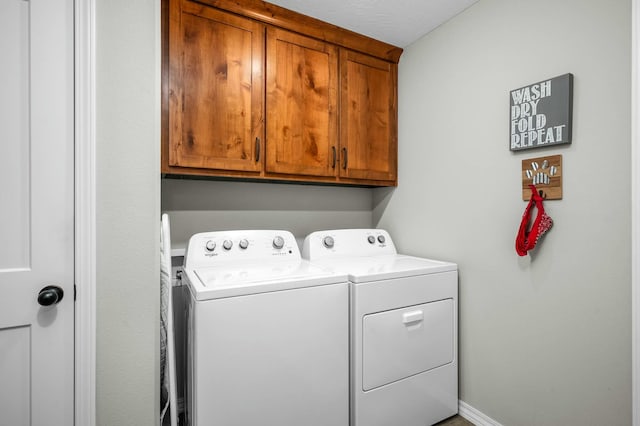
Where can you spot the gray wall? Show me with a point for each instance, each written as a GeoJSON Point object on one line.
{"type": "Point", "coordinates": [199, 205]}
{"type": "Point", "coordinates": [128, 212]}
{"type": "Point", "coordinates": [545, 339]}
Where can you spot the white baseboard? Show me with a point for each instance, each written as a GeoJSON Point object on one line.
{"type": "Point", "coordinates": [474, 416]}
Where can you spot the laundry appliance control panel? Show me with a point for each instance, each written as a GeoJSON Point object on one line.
{"type": "Point", "coordinates": [347, 242]}
{"type": "Point", "coordinates": [213, 248]}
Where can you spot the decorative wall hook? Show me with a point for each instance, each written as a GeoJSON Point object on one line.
{"type": "Point", "coordinates": [546, 174]}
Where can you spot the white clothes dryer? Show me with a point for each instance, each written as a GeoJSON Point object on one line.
{"type": "Point", "coordinates": [267, 333]}
{"type": "Point", "coordinates": [404, 356]}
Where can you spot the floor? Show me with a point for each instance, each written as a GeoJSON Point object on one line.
{"type": "Point", "coordinates": [455, 421]}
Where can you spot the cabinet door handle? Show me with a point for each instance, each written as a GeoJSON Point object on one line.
{"type": "Point", "coordinates": [257, 149]}
{"type": "Point", "coordinates": [344, 158]}
{"type": "Point", "coordinates": [333, 163]}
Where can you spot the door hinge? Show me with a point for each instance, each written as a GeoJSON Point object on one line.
{"type": "Point", "coordinates": [75, 290]}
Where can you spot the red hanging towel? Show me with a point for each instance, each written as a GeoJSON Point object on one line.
{"type": "Point", "coordinates": [527, 240]}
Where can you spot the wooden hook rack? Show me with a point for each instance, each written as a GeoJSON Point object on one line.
{"type": "Point", "coordinates": [546, 174]}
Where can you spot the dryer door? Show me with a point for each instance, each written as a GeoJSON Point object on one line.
{"type": "Point", "coordinates": [406, 341]}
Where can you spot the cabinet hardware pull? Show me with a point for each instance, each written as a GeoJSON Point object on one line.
{"type": "Point", "coordinates": [257, 149]}
{"type": "Point", "coordinates": [333, 163]}
{"type": "Point", "coordinates": [344, 158]}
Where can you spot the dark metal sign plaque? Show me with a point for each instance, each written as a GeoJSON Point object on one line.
{"type": "Point", "coordinates": [540, 114]}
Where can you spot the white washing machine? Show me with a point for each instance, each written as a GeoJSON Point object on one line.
{"type": "Point", "coordinates": [268, 336]}
{"type": "Point", "coordinates": [404, 357]}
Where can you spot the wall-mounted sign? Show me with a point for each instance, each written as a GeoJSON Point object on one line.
{"type": "Point", "coordinates": [540, 114]}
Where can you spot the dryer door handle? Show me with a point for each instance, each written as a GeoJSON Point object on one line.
{"type": "Point", "coordinates": [412, 317]}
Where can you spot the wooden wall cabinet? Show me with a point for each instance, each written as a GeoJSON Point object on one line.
{"type": "Point", "coordinates": [302, 105]}
{"type": "Point", "coordinates": [215, 96]}
{"type": "Point", "coordinates": [251, 90]}
{"type": "Point", "coordinates": [368, 122]}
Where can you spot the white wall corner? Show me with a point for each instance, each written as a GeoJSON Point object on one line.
{"type": "Point", "coordinates": [475, 416]}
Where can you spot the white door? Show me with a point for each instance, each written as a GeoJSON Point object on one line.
{"type": "Point", "coordinates": [36, 212]}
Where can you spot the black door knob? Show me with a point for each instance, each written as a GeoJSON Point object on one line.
{"type": "Point", "coordinates": [50, 295]}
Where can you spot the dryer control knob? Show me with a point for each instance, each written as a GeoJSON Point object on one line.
{"type": "Point", "coordinates": [210, 245]}
{"type": "Point", "coordinates": [278, 242]}
{"type": "Point", "coordinates": [328, 242]}
{"type": "Point", "coordinates": [381, 239]}
{"type": "Point", "coordinates": [227, 244]}
{"type": "Point", "coordinates": [371, 239]}
{"type": "Point", "coordinates": [243, 244]}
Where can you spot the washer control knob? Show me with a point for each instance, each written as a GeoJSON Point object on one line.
{"type": "Point", "coordinates": [210, 245]}
{"type": "Point", "coordinates": [371, 239]}
{"type": "Point", "coordinates": [243, 243]}
{"type": "Point", "coordinates": [328, 242]}
{"type": "Point", "coordinates": [227, 244]}
{"type": "Point", "coordinates": [381, 239]}
{"type": "Point", "coordinates": [278, 242]}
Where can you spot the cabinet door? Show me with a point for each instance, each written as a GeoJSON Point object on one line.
{"type": "Point", "coordinates": [302, 81]}
{"type": "Point", "coordinates": [216, 104]}
{"type": "Point", "coordinates": [368, 118]}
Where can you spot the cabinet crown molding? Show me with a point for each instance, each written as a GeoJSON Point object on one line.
{"type": "Point", "coordinates": [284, 18]}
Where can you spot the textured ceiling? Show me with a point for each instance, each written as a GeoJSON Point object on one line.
{"type": "Point", "coordinates": [397, 22]}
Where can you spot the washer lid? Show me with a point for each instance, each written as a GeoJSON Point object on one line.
{"type": "Point", "coordinates": [375, 268]}
{"type": "Point", "coordinates": [251, 278]}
